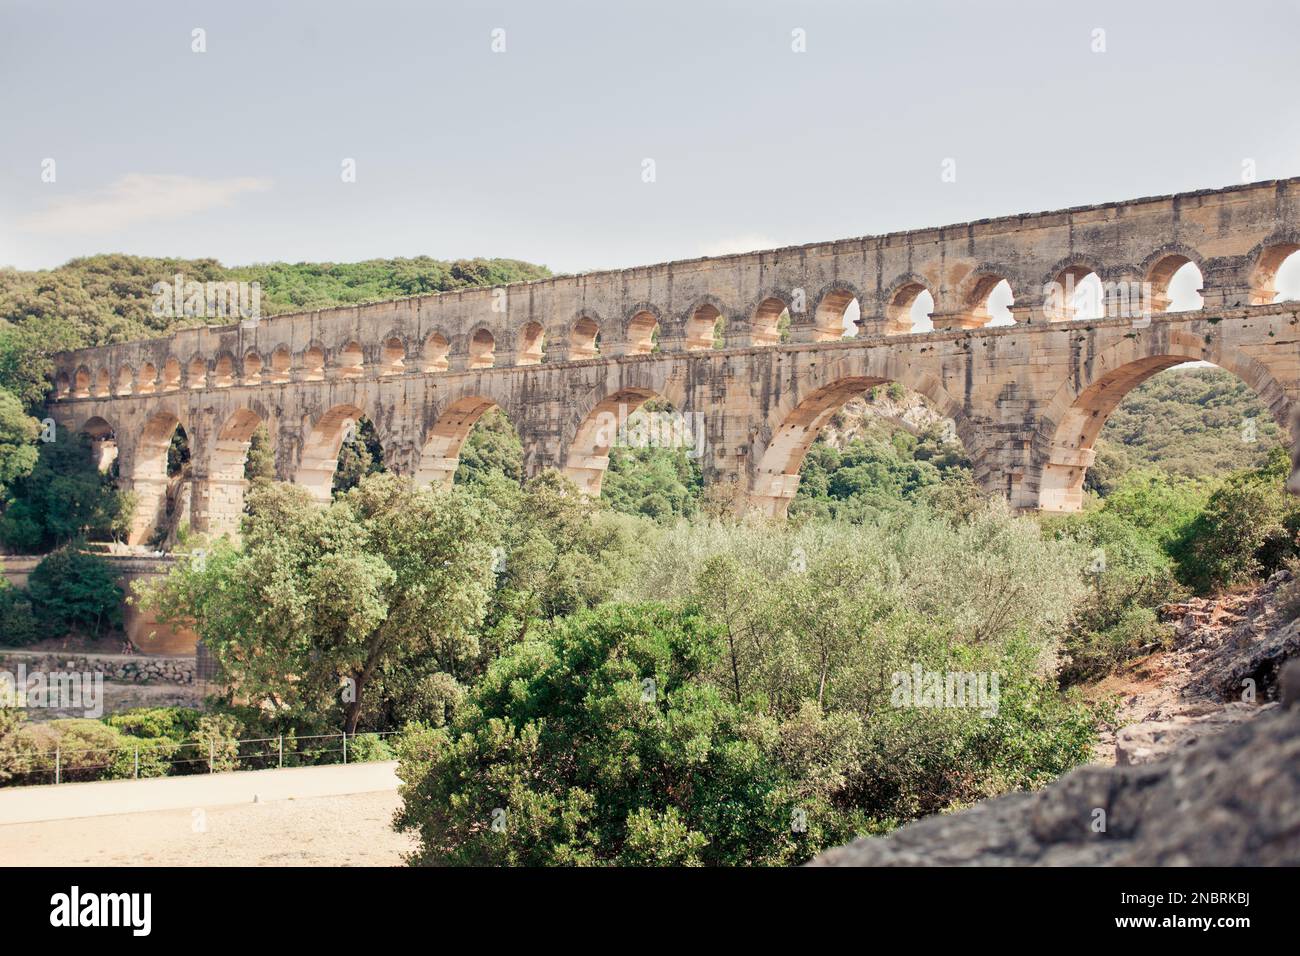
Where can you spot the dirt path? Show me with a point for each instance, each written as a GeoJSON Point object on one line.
{"type": "Point", "coordinates": [348, 830]}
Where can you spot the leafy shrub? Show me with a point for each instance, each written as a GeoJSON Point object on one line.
{"type": "Point", "coordinates": [72, 588]}
{"type": "Point", "coordinates": [18, 626]}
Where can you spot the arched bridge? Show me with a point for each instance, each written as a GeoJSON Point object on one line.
{"type": "Point", "coordinates": [559, 355]}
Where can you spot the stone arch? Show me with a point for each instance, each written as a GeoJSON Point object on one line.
{"type": "Point", "coordinates": [1160, 267]}
{"type": "Point", "coordinates": [899, 297]}
{"type": "Point", "coordinates": [225, 482]}
{"type": "Point", "coordinates": [125, 380]}
{"type": "Point", "coordinates": [482, 346]}
{"type": "Point", "coordinates": [793, 423]}
{"type": "Point", "coordinates": [974, 292]}
{"type": "Point", "coordinates": [829, 312]}
{"type": "Point", "coordinates": [434, 355]}
{"type": "Point", "coordinates": [147, 381]}
{"type": "Point", "coordinates": [765, 319]}
{"type": "Point", "coordinates": [312, 363]}
{"type": "Point", "coordinates": [81, 382]}
{"type": "Point", "coordinates": [281, 370]}
{"type": "Point", "coordinates": [149, 479]}
{"type": "Point", "coordinates": [320, 450]}
{"type": "Point", "coordinates": [103, 383]}
{"type": "Point", "coordinates": [584, 337]}
{"type": "Point", "coordinates": [639, 329]}
{"type": "Point", "coordinates": [700, 321]}
{"type": "Point", "coordinates": [392, 357]}
{"type": "Point", "coordinates": [252, 367]}
{"type": "Point", "coordinates": [587, 458]}
{"type": "Point", "coordinates": [1066, 275]}
{"type": "Point", "coordinates": [440, 449]}
{"type": "Point", "coordinates": [1267, 259]}
{"type": "Point", "coordinates": [103, 441]}
{"type": "Point", "coordinates": [196, 372]}
{"type": "Point", "coordinates": [1080, 407]}
{"type": "Point", "coordinates": [350, 359]}
{"type": "Point", "coordinates": [531, 344]}
{"type": "Point", "coordinates": [62, 385]}
{"type": "Point", "coordinates": [171, 374]}
{"type": "Point", "coordinates": [223, 370]}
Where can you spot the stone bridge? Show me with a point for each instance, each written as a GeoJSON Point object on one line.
{"type": "Point", "coordinates": [559, 355]}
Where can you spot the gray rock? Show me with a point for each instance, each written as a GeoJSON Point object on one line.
{"type": "Point", "coordinates": [1231, 799]}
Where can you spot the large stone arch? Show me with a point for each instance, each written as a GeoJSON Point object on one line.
{"type": "Point", "coordinates": [788, 430]}
{"type": "Point", "coordinates": [441, 444]}
{"type": "Point", "coordinates": [1081, 405]}
{"type": "Point", "coordinates": [599, 415]}
{"type": "Point", "coordinates": [320, 449]}
{"type": "Point", "coordinates": [223, 486]}
{"type": "Point", "coordinates": [148, 468]}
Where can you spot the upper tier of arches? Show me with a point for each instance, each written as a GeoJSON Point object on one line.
{"type": "Point", "coordinates": [527, 326]}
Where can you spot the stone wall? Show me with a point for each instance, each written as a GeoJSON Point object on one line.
{"type": "Point", "coordinates": [123, 668]}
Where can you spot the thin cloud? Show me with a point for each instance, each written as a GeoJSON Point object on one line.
{"type": "Point", "coordinates": [137, 198]}
{"type": "Point", "coordinates": [733, 244]}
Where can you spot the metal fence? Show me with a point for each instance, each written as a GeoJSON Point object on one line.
{"type": "Point", "coordinates": [162, 757]}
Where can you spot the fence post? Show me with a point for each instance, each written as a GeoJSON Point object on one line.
{"type": "Point", "coordinates": [212, 744]}
{"type": "Point", "coordinates": [137, 761]}
{"type": "Point", "coordinates": [282, 751]}
{"type": "Point", "coordinates": [58, 762]}
{"type": "Point", "coordinates": [345, 746]}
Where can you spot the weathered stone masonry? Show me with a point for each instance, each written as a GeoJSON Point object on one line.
{"type": "Point", "coordinates": [1028, 399]}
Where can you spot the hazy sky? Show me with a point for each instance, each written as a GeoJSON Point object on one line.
{"type": "Point", "coordinates": [537, 152]}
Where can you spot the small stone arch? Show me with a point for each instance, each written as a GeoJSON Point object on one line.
{"type": "Point", "coordinates": [584, 337]}
{"type": "Point", "coordinates": [350, 359]}
{"type": "Point", "coordinates": [252, 367]}
{"type": "Point", "coordinates": [700, 321]}
{"type": "Point", "coordinates": [974, 291]}
{"type": "Point", "coordinates": [482, 347]}
{"type": "Point", "coordinates": [763, 324]}
{"type": "Point", "coordinates": [171, 374]}
{"type": "Point", "coordinates": [1266, 259]}
{"type": "Point", "coordinates": [125, 380]}
{"type": "Point", "coordinates": [312, 363]}
{"type": "Point", "coordinates": [62, 385]}
{"type": "Point", "coordinates": [435, 355]}
{"type": "Point", "coordinates": [639, 329]}
{"type": "Point", "coordinates": [899, 296]}
{"type": "Point", "coordinates": [196, 372]}
{"type": "Point", "coordinates": [392, 354]}
{"type": "Point", "coordinates": [531, 344]}
{"type": "Point", "coordinates": [103, 383]}
{"type": "Point", "coordinates": [281, 370]}
{"type": "Point", "coordinates": [81, 382]}
{"type": "Point", "coordinates": [147, 381]}
{"type": "Point", "coordinates": [223, 370]}
{"type": "Point", "coordinates": [832, 303]}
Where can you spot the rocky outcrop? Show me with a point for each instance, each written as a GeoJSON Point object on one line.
{"type": "Point", "coordinates": [1231, 799]}
{"type": "Point", "coordinates": [1207, 754]}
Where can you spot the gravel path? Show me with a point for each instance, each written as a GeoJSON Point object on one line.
{"type": "Point", "coordinates": [348, 830]}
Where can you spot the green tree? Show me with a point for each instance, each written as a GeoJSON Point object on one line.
{"type": "Point", "coordinates": [260, 462]}
{"type": "Point", "coordinates": [308, 611]}
{"type": "Point", "coordinates": [598, 743]}
{"type": "Point", "coordinates": [73, 588]}
{"type": "Point", "coordinates": [64, 497]}
{"type": "Point", "coordinates": [18, 433]}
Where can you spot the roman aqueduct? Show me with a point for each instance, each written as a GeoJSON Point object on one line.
{"type": "Point", "coordinates": [560, 354]}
